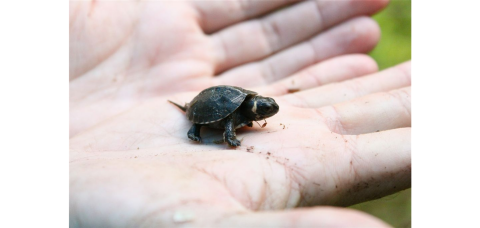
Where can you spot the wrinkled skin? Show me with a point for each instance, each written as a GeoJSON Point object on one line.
{"type": "Point", "coordinates": [344, 138]}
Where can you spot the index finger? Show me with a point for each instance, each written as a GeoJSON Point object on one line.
{"type": "Point", "coordinates": [215, 15]}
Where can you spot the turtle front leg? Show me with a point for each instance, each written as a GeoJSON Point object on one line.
{"type": "Point", "coordinates": [194, 133]}
{"type": "Point", "coordinates": [229, 134]}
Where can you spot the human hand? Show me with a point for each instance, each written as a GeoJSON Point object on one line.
{"type": "Point", "coordinates": [336, 144]}
{"type": "Point", "coordinates": [123, 53]}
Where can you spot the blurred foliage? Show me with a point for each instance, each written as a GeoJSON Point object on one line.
{"type": "Point", "coordinates": [394, 48]}
{"type": "Point", "coordinates": [395, 44]}
{"type": "Point", "coordinates": [395, 209]}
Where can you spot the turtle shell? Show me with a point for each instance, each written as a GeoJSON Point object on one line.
{"type": "Point", "coordinates": [216, 103]}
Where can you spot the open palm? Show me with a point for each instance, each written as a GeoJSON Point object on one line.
{"type": "Point", "coordinates": [342, 138]}
{"type": "Point", "coordinates": [122, 53]}
{"type": "Point", "coordinates": [140, 167]}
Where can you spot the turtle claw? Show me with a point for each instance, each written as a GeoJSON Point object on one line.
{"type": "Point", "coordinates": [194, 133]}
{"type": "Point", "coordinates": [233, 142]}
{"type": "Point", "coordinates": [194, 138]}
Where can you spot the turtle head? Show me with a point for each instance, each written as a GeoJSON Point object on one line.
{"type": "Point", "coordinates": [259, 108]}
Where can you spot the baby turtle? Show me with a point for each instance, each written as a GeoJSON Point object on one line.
{"type": "Point", "coordinates": [226, 107]}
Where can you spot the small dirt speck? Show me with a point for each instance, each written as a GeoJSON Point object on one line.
{"type": "Point", "coordinates": [135, 156]}
{"type": "Point", "coordinates": [293, 90]}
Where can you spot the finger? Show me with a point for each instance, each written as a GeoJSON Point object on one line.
{"type": "Point", "coordinates": [376, 112]}
{"type": "Point", "coordinates": [256, 39]}
{"type": "Point", "coordinates": [348, 169]}
{"type": "Point", "coordinates": [332, 70]}
{"type": "Point", "coordinates": [305, 217]}
{"type": "Point", "coordinates": [386, 80]}
{"type": "Point", "coordinates": [215, 15]}
{"type": "Point", "coordinates": [358, 35]}
{"type": "Point", "coordinates": [379, 164]}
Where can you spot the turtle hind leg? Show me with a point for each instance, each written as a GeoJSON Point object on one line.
{"type": "Point", "coordinates": [194, 133]}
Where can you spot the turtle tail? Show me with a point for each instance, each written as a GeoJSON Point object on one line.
{"type": "Point", "coordinates": [183, 108]}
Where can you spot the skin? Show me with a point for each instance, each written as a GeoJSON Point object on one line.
{"type": "Point", "coordinates": [338, 141]}
{"type": "Point", "coordinates": [118, 57]}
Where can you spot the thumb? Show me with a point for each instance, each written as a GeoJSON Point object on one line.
{"type": "Point", "coordinates": [305, 217]}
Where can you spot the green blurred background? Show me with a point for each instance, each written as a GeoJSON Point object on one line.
{"type": "Point", "coordinates": [394, 47]}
